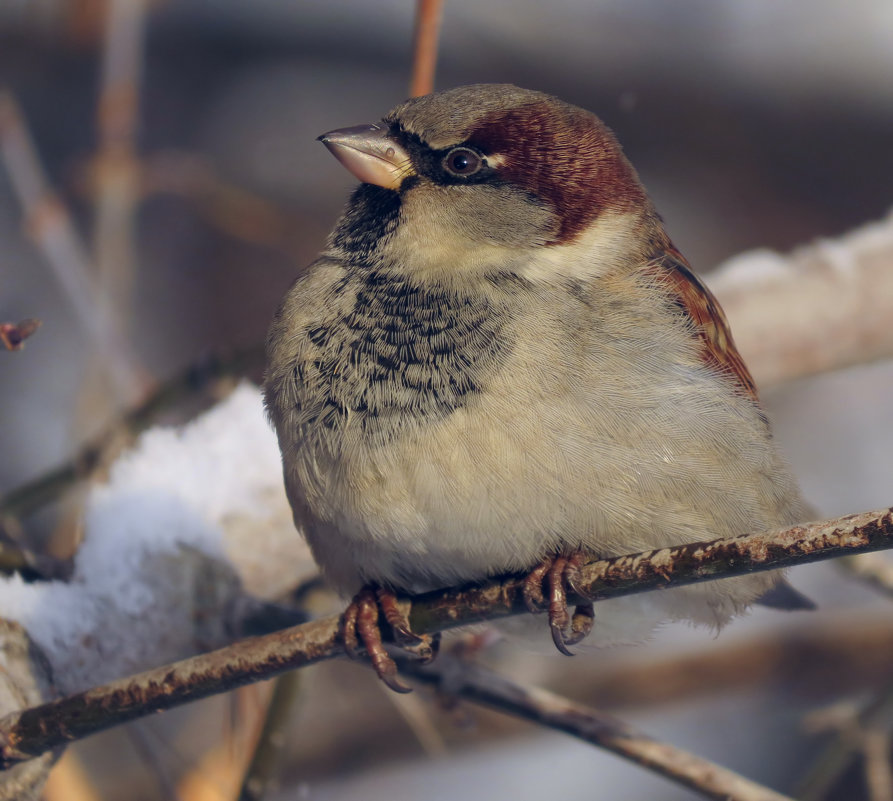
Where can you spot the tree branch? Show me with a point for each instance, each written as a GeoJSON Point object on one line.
{"type": "Point", "coordinates": [28, 733]}
{"type": "Point", "coordinates": [482, 686]}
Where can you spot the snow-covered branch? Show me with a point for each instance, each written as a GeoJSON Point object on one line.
{"type": "Point", "coordinates": [826, 306]}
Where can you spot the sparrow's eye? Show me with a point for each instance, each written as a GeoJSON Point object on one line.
{"type": "Point", "coordinates": [462, 161]}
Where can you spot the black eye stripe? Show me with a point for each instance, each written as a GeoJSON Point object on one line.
{"type": "Point", "coordinates": [432, 163]}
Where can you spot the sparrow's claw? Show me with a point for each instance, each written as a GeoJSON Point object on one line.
{"type": "Point", "coordinates": [349, 627]}
{"type": "Point", "coordinates": [533, 585]}
{"type": "Point", "coordinates": [581, 624]}
{"type": "Point", "coordinates": [360, 628]}
{"type": "Point", "coordinates": [560, 573]}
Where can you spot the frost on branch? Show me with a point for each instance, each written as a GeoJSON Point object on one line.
{"type": "Point", "coordinates": [190, 521]}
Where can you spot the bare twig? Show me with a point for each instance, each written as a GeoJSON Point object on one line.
{"type": "Point", "coordinates": [115, 168]}
{"type": "Point", "coordinates": [13, 335]}
{"type": "Point", "coordinates": [823, 307]}
{"type": "Point", "coordinates": [424, 55]}
{"type": "Point", "coordinates": [52, 229]}
{"type": "Point", "coordinates": [28, 733]}
{"type": "Point", "coordinates": [261, 771]}
{"type": "Point", "coordinates": [598, 728]}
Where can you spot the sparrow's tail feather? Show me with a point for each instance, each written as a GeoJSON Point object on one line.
{"type": "Point", "coordinates": [784, 596]}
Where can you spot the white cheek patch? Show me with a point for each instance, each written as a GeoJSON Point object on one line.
{"type": "Point", "coordinates": [608, 243]}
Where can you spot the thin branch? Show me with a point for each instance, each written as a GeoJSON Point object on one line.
{"type": "Point", "coordinates": [261, 771]}
{"type": "Point", "coordinates": [425, 38]}
{"type": "Point", "coordinates": [30, 732]}
{"type": "Point", "coordinates": [13, 335]}
{"type": "Point", "coordinates": [115, 167]}
{"type": "Point", "coordinates": [482, 686]}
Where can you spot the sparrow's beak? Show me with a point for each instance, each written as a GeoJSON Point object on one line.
{"type": "Point", "coordinates": [370, 154]}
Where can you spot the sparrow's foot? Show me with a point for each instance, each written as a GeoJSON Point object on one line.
{"type": "Point", "coordinates": [559, 573]}
{"type": "Point", "coordinates": [360, 628]}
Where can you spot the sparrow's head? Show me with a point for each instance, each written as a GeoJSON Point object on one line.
{"type": "Point", "coordinates": [490, 177]}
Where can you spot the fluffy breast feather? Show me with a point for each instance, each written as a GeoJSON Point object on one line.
{"type": "Point", "coordinates": [418, 488]}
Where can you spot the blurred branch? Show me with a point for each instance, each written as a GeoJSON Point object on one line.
{"type": "Point", "coordinates": [51, 227]}
{"type": "Point", "coordinates": [482, 686]}
{"type": "Point", "coordinates": [114, 188]}
{"type": "Point", "coordinates": [865, 733]}
{"type": "Point", "coordinates": [858, 734]}
{"type": "Point", "coordinates": [148, 754]}
{"type": "Point", "coordinates": [235, 211]}
{"type": "Point", "coordinates": [416, 714]}
{"type": "Point", "coordinates": [69, 781]}
{"type": "Point", "coordinates": [878, 772]}
{"type": "Point", "coordinates": [424, 49]}
{"type": "Point", "coordinates": [823, 307]}
{"type": "Point", "coordinates": [873, 570]}
{"type": "Point", "coordinates": [115, 167]}
{"type": "Point", "coordinates": [13, 335]}
{"type": "Point", "coordinates": [813, 658]}
{"type": "Point", "coordinates": [28, 733]}
{"type": "Point", "coordinates": [46, 488]}
{"type": "Point", "coordinates": [261, 771]}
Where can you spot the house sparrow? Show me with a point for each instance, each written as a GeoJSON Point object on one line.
{"type": "Point", "coordinates": [501, 363]}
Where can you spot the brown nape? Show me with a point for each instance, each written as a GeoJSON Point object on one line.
{"type": "Point", "coordinates": [565, 156]}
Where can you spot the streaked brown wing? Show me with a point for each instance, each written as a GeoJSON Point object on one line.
{"type": "Point", "coordinates": [699, 303]}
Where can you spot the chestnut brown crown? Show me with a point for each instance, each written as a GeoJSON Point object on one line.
{"type": "Point", "coordinates": [562, 155]}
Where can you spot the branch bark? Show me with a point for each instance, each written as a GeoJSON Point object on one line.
{"type": "Point", "coordinates": [29, 733]}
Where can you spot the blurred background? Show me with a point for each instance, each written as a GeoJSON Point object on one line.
{"type": "Point", "coordinates": [178, 136]}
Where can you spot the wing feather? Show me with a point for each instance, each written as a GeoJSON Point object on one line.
{"type": "Point", "coordinates": [701, 306]}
